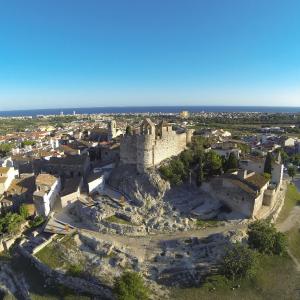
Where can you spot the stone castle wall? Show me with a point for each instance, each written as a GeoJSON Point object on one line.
{"type": "Point", "coordinates": [170, 144]}
{"type": "Point", "coordinates": [148, 150]}
{"type": "Point", "coordinates": [128, 149]}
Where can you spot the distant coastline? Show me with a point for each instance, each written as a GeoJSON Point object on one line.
{"type": "Point", "coordinates": [148, 109]}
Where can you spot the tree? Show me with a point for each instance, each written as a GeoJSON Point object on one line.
{"type": "Point", "coordinates": [200, 175]}
{"type": "Point", "coordinates": [5, 149]}
{"type": "Point", "coordinates": [263, 236]}
{"type": "Point", "coordinates": [175, 171]}
{"type": "Point", "coordinates": [292, 171]}
{"type": "Point", "coordinates": [23, 211]}
{"type": "Point", "coordinates": [27, 143]}
{"type": "Point", "coordinates": [131, 286]}
{"type": "Point", "coordinates": [213, 163]}
{"type": "Point", "coordinates": [128, 130]}
{"type": "Point", "coordinates": [283, 154]}
{"type": "Point", "coordinates": [178, 171]}
{"type": "Point", "coordinates": [187, 157]}
{"type": "Point", "coordinates": [232, 162]}
{"type": "Point", "coordinates": [238, 262]}
{"type": "Point", "coordinates": [268, 163]}
{"type": "Point", "coordinates": [267, 176]}
{"type": "Point", "coordinates": [38, 220]}
{"type": "Point", "coordinates": [295, 159]}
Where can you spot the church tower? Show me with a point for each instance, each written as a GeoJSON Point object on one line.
{"type": "Point", "coordinates": [112, 129]}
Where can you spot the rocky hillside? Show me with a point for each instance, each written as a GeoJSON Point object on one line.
{"type": "Point", "coordinates": [143, 189]}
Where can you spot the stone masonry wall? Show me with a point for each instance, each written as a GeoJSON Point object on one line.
{"type": "Point", "coordinates": [170, 144]}
{"type": "Point", "coordinates": [128, 149]}
{"type": "Point", "coordinates": [145, 151]}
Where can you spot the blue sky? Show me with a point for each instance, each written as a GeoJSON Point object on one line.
{"type": "Point", "coordinates": [71, 53]}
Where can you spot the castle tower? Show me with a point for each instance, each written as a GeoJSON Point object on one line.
{"type": "Point", "coordinates": [189, 134]}
{"type": "Point", "coordinates": [145, 154]}
{"type": "Point", "coordinates": [112, 129]}
{"type": "Point", "coordinates": [147, 127]}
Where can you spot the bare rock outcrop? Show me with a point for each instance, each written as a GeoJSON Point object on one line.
{"type": "Point", "coordinates": [143, 188]}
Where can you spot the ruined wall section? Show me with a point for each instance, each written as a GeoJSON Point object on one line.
{"type": "Point", "coordinates": [170, 144]}
{"type": "Point", "coordinates": [128, 149]}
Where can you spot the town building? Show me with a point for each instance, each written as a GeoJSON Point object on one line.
{"type": "Point", "coordinates": [47, 191]}
{"type": "Point", "coordinates": [224, 149]}
{"type": "Point", "coordinates": [257, 164]}
{"type": "Point", "coordinates": [7, 175]}
{"type": "Point", "coordinates": [243, 192]}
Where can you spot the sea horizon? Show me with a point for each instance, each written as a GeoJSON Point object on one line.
{"type": "Point", "coordinates": [148, 109]}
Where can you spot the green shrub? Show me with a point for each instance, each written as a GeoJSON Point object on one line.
{"type": "Point", "coordinates": [131, 286]}
{"type": "Point", "coordinates": [232, 162]}
{"type": "Point", "coordinates": [263, 236]}
{"type": "Point", "coordinates": [175, 171]}
{"type": "Point", "coordinates": [75, 270]}
{"type": "Point", "coordinates": [23, 211]}
{"type": "Point", "coordinates": [292, 171]}
{"type": "Point", "coordinates": [239, 262]}
{"type": "Point", "coordinates": [11, 223]}
{"type": "Point", "coordinates": [212, 163]}
{"type": "Point", "coordinates": [37, 221]}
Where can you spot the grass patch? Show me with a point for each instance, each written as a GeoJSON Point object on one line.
{"type": "Point", "coordinates": [75, 270]}
{"type": "Point", "coordinates": [52, 255]}
{"type": "Point", "coordinates": [292, 198]}
{"type": "Point", "coordinates": [118, 220]}
{"type": "Point", "coordinates": [207, 223]}
{"type": "Point", "coordinates": [276, 278]}
{"type": "Point", "coordinates": [294, 241]}
{"type": "Point", "coordinates": [49, 255]}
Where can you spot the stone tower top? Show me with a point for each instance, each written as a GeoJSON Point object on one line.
{"type": "Point", "coordinates": [147, 127]}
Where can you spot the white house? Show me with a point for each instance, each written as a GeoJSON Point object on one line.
{"type": "Point", "coordinates": [7, 175]}
{"type": "Point", "coordinates": [257, 165]}
{"type": "Point", "coordinates": [54, 143]}
{"type": "Point", "coordinates": [6, 162]}
{"type": "Point", "coordinates": [225, 148]}
{"type": "Point", "coordinates": [289, 142]}
{"type": "Point", "coordinates": [47, 190]}
{"type": "Point", "coordinates": [226, 152]}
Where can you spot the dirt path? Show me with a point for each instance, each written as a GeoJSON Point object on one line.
{"type": "Point", "coordinates": [145, 246]}
{"type": "Point", "coordinates": [292, 220]}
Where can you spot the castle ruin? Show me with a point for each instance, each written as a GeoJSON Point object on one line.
{"type": "Point", "coordinates": [152, 144]}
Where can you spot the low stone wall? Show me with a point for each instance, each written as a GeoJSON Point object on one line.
{"type": "Point", "coordinates": [43, 245]}
{"type": "Point", "coordinates": [280, 193]}
{"type": "Point", "coordinates": [8, 240]}
{"type": "Point", "coordinates": [77, 284]}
